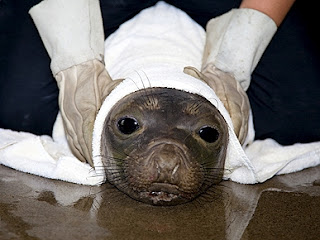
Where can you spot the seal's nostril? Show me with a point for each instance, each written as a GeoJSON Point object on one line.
{"type": "Point", "coordinates": [167, 160]}
{"type": "Point", "coordinates": [173, 173]}
{"type": "Point", "coordinates": [168, 164]}
{"type": "Point", "coordinates": [158, 168]}
{"type": "Point", "coordinates": [175, 170]}
{"type": "Point", "coordinates": [165, 163]}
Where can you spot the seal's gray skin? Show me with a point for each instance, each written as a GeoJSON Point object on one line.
{"type": "Point", "coordinates": [164, 146]}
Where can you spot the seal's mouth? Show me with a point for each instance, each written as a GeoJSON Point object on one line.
{"type": "Point", "coordinates": [162, 194]}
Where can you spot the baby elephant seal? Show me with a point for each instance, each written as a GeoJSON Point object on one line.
{"type": "Point", "coordinates": [164, 146]}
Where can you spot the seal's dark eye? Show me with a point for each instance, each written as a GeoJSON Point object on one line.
{"type": "Point", "coordinates": [127, 125]}
{"type": "Point", "coordinates": [209, 134]}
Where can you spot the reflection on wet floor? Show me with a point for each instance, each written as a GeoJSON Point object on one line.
{"type": "Point", "coordinates": [285, 207]}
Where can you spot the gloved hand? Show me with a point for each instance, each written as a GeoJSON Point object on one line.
{"type": "Point", "coordinates": [72, 33]}
{"type": "Point", "coordinates": [235, 42]}
{"type": "Point", "coordinates": [83, 88]}
{"type": "Point", "coordinates": [230, 93]}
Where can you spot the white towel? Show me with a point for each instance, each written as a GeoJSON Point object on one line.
{"type": "Point", "coordinates": [151, 50]}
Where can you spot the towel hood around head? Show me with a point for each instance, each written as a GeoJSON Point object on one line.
{"type": "Point", "coordinates": [151, 50]}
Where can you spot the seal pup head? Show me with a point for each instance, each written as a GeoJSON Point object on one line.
{"type": "Point", "coordinates": [164, 146]}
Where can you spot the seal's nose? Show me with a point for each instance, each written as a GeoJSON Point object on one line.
{"type": "Point", "coordinates": [167, 161]}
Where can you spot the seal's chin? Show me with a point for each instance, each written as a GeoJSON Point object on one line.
{"type": "Point", "coordinates": [163, 194]}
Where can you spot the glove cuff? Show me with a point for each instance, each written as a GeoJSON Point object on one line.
{"type": "Point", "coordinates": [236, 42]}
{"type": "Point", "coordinates": [71, 30]}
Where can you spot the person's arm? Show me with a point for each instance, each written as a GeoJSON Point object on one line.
{"type": "Point", "coordinates": [235, 42]}
{"type": "Point", "coordinates": [72, 33]}
{"type": "Point", "coordinates": [275, 9]}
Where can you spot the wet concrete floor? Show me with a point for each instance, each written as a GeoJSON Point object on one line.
{"type": "Point", "coordinates": [285, 207]}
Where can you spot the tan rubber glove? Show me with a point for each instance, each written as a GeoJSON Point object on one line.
{"type": "Point", "coordinates": [230, 93]}
{"type": "Point", "coordinates": [235, 42]}
{"type": "Point", "coordinates": [72, 33]}
{"type": "Point", "coordinates": [83, 88]}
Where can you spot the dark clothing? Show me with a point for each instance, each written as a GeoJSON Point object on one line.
{"type": "Point", "coordinates": [283, 92]}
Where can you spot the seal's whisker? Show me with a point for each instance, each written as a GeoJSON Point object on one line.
{"type": "Point", "coordinates": [149, 99]}
{"type": "Point", "coordinates": [123, 153]}
{"type": "Point", "coordinates": [226, 170]}
{"type": "Point", "coordinates": [97, 168]}
{"type": "Point", "coordinates": [113, 171]}
{"type": "Point", "coordinates": [122, 184]}
{"type": "Point", "coordinates": [188, 135]}
{"type": "Point", "coordinates": [119, 179]}
{"type": "Point", "coordinates": [211, 194]}
{"type": "Point", "coordinates": [146, 78]}
{"type": "Point", "coordinates": [135, 82]}
{"type": "Point", "coordinates": [109, 157]}
{"type": "Point", "coordinates": [141, 80]}
{"type": "Point", "coordinates": [143, 84]}
{"type": "Point", "coordinates": [117, 159]}
{"type": "Point", "coordinates": [207, 162]}
{"type": "Point", "coordinates": [214, 173]}
{"type": "Point", "coordinates": [210, 181]}
{"type": "Point", "coordinates": [98, 183]}
{"type": "Point", "coordinates": [214, 170]}
{"type": "Point", "coordinates": [195, 106]}
{"type": "Point", "coordinates": [104, 189]}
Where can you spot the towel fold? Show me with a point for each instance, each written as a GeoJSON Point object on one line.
{"type": "Point", "coordinates": [45, 156]}
{"type": "Point", "coordinates": [151, 50]}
